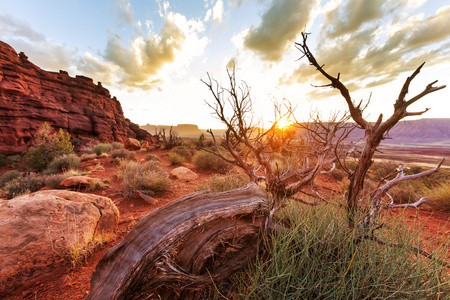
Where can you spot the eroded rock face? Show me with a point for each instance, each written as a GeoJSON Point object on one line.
{"type": "Point", "coordinates": [36, 230]}
{"type": "Point", "coordinates": [30, 96]}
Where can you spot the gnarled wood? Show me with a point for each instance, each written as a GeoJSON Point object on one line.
{"type": "Point", "coordinates": [178, 249]}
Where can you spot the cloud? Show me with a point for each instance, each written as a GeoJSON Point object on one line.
{"type": "Point", "coordinates": [16, 28]}
{"type": "Point", "coordinates": [374, 55]}
{"type": "Point", "coordinates": [144, 58]}
{"type": "Point", "coordinates": [349, 17]}
{"type": "Point", "coordinates": [280, 25]}
{"type": "Point", "coordinates": [124, 13]}
{"type": "Point", "coordinates": [217, 12]}
{"type": "Point", "coordinates": [97, 69]}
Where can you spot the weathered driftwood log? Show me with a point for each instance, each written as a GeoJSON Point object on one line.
{"type": "Point", "coordinates": [179, 249]}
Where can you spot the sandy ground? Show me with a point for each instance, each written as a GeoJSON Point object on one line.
{"type": "Point", "coordinates": [69, 283]}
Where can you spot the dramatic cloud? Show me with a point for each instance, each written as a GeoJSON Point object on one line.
{"type": "Point", "coordinates": [124, 13]}
{"type": "Point", "coordinates": [146, 55]}
{"type": "Point", "coordinates": [375, 55]}
{"type": "Point", "coordinates": [280, 25]}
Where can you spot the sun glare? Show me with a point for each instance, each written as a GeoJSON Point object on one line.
{"type": "Point", "coordinates": [283, 123]}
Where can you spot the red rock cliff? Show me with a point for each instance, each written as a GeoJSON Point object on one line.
{"type": "Point", "coordinates": [30, 96]}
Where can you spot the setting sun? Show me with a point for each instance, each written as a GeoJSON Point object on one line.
{"type": "Point", "coordinates": [283, 123]}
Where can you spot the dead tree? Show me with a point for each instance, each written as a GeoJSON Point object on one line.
{"type": "Point", "coordinates": [249, 147]}
{"type": "Point", "coordinates": [374, 133]}
{"type": "Point", "coordinates": [181, 249]}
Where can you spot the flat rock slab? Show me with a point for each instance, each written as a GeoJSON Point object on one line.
{"type": "Point", "coordinates": [183, 173]}
{"type": "Point", "coordinates": [77, 181]}
{"type": "Point", "coordinates": [38, 229]}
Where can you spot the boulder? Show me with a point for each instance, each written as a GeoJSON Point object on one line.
{"type": "Point", "coordinates": [77, 181]}
{"type": "Point", "coordinates": [132, 144]}
{"type": "Point", "coordinates": [183, 173]}
{"type": "Point", "coordinates": [30, 96]}
{"type": "Point", "coordinates": [37, 231]}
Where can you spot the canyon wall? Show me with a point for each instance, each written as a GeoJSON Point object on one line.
{"type": "Point", "coordinates": [30, 96]}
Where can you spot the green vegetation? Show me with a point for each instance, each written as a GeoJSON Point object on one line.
{"type": "Point", "coordinates": [440, 197]}
{"type": "Point", "coordinates": [46, 147]}
{"type": "Point", "coordinates": [123, 154]}
{"type": "Point", "coordinates": [102, 148]}
{"type": "Point", "coordinates": [210, 162]}
{"type": "Point", "coordinates": [63, 163]}
{"type": "Point", "coordinates": [147, 176]}
{"type": "Point", "coordinates": [175, 158]}
{"type": "Point", "coordinates": [24, 185]}
{"type": "Point", "coordinates": [228, 182]}
{"type": "Point", "coordinates": [117, 145]}
{"type": "Point", "coordinates": [319, 258]}
{"type": "Point", "coordinates": [9, 176]}
{"type": "Point", "coordinates": [152, 157]}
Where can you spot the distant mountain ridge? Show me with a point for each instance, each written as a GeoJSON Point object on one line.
{"type": "Point", "coordinates": [423, 131]}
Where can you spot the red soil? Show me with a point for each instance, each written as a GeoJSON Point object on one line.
{"type": "Point", "coordinates": [67, 283]}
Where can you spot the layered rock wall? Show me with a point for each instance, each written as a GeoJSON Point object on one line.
{"type": "Point", "coordinates": [30, 96]}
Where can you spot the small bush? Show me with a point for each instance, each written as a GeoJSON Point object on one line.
{"type": "Point", "coordinates": [184, 151]}
{"type": "Point", "coordinates": [151, 157]}
{"type": "Point", "coordinates": [97, 184]}
{"type": "Point", "coordinates": [2, 161]}
{"type": "Point", "coordinates": [102, 148]}
{"type": "Point", "coordinates": [175, 158]}
{"type": "Point", "coordinates": [224, 183]}
{"type": "Point", "coordinates": [171, 141]}
{"type": "Point", "coordinates": [117, 145]}
{"type": "Point", "coordinates": [46, 147]}
{"type": "Point", "coordinates": [24, 185]}
{"type": "Point", "coordinates": [8, 176]}
{"type": "Point", "coordinates": [13, 159]}
{"type": "Point", "coordinates": [63, 163]}
{"type": "Point", "coordinates": [210, 162]}
{"type": "Point", "coordinates": [440, 197]}
{"type": "Point", "coordinates": [123, 154]}
{"type": "Point", "coordinates": [146, 176]}
{"type": "Point", "coordinates": [319, 258]}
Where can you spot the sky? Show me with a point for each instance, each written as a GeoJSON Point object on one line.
{"type": "Point", "coordinates": [153, 54]}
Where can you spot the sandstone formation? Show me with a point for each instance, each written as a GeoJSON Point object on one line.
{"type": "Point", "coordinates": [131, 144]}
{"type": "Point", "coordinates": [183, 173]}
{"type": "Point", "coordinates": [30, 96]}
{"type": "Point", "coordinates": [38, 229]}
{"type": "Point", "coordinates": [78, 181]}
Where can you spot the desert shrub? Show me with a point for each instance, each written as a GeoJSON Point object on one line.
{"type": "Point", "coordinates": [78, 253]}
{"type": "Point", "coordinates": [24, 185]}
{"type": "Point", "coordinates": [318, 258]}
{"type": "Point", "coordinates": [86, 156]}
{"type": "Point", "coordinates": [97, 184]}
{"type": "Point", "coordinates": [13, 159]}
{"type": "Point", "coordinates": [175, 158]}
{"type": "Point", "coordinates": [102, 148]}
{"type": "Point", "coordinates": [228, 182]}
{"type": "Point", "coordinates": [63, 163]}
{"type": "Point", "coordinates": [170, 141]}
{"type": "Point", "coordinates": [46, 147]}
{"type": "Point", "coordinates": [2, 161]}
{"type": "Point", "coordinates": [123, 154]}
{"type": "Point", "coordinates": [184, 151]}
{"type": "Point", "coordinates": [147, 176]}
{"type": "Point", "coordinates": [8, 176]}
{"type": "Point", "coordinates": [150, 157]}
{"type": "Point", "coordinates": [117, 145]}
{"type": "Point", "coordinates": [210, 162]}
{"type": "Point", "coordinates": [440, 197]}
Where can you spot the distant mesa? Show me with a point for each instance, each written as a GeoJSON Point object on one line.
{"type": "Point", "coordinates": [30, 96]}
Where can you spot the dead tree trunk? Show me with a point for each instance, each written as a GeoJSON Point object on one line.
{"type": "Point", "coordinates": [178, 250]}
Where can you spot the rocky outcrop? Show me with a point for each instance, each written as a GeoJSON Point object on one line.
{"type": "Point", "coordinates": [30, 96]}
{"type": "Point", "coordinates": [38, 230]}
